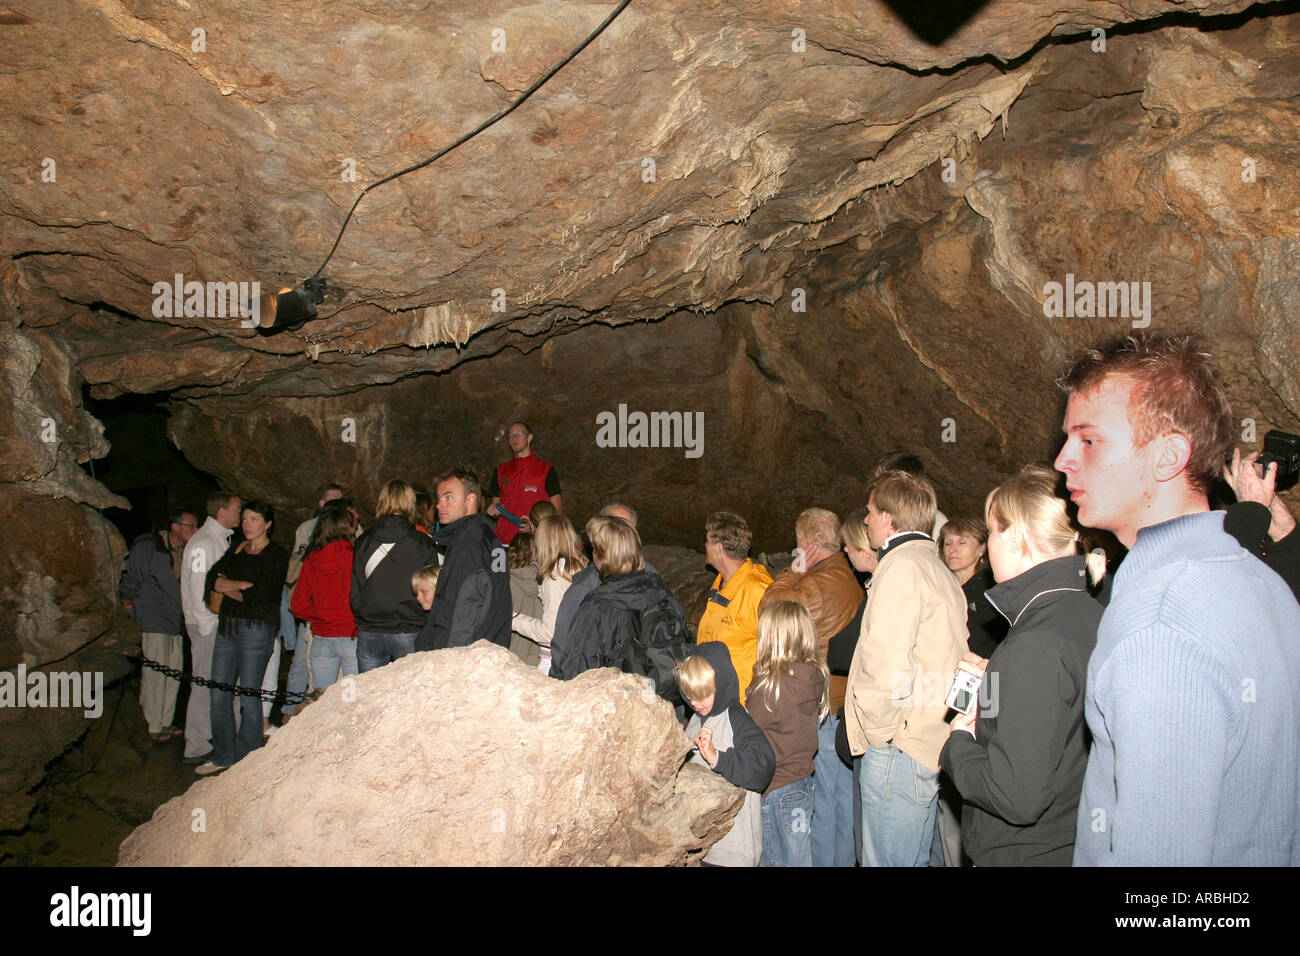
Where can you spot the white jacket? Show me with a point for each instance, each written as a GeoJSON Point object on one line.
{"type": "Point", "coordinates": [201, 552]}
{"type": "Point", "coordinates": [552, 591]}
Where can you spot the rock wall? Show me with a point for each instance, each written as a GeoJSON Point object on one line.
{"type": "Point", "coordinates": [453, 758]}
{"type": "Point", "coordinates": [58, 556]}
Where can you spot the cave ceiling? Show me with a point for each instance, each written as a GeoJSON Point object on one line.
{"type": "Point", "coordinates": [824, 226]}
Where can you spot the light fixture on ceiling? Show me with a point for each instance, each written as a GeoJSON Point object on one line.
{"type": "Point", "coordinates": [290, 308]}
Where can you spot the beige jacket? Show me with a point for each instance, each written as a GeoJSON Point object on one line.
{"type": "Point", "coordinates": [913, 635]}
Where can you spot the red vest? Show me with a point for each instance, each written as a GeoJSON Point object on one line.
{"type": "Point", "coordinates": [522, 482]}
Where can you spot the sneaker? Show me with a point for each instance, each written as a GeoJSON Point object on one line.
{"type": "Point", "coordinates": [270, 730]}
{"type": "Point", "coordinates": [201, 758]}
{"type": "Point", "coordinates": [204, 770]}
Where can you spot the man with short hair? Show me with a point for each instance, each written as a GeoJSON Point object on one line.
{"type": "Point", "coordinates": [472, 599]}
{"type": "Point", "coordinates": [520, 483]}
{"type": "Point", "coordinates": [297, 636]}
{"type": "Point", "coordinates": [822, 581]}
{"type": "Point", "coordinates": [906, 461]}
{"type": "Point", "coordinates": [913, 635]}
{"type": "Point", "coordinates": [731, 614]}
{"type": "Point", "coordinates": [203, 551]}
{"type": "Point", "coordinates": [151, 593]}
{"type": "Point", "coordinates": [1193, 690]}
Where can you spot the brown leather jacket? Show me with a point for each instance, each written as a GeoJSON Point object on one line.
{"type": "Point", "coordinates": [832, 596]}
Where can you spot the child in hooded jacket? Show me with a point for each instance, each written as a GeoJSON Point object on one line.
{"type": "Point", "coordinates": [788, 700]}
{"type": "Point", "coordinates": [728, 742]}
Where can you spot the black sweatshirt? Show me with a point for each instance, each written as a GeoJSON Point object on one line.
{"type": "Point", "coordinates": [1022, 774]}
{"type": "Point", "coordinates": [1248, 522]}
{"type": "Point", "coordinates": [266, 570]}
{"type": "Point", "coordinates": [472, 600]}
{"type": "Point", "coordinates": [749, 762]}
{"type": "Point", "coordinates": [384, 602]}
{"type": "Point", "coordinates": [985, 627]}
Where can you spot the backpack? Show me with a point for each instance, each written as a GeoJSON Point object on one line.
{"type": "Point", "coordinates": [660, 641]}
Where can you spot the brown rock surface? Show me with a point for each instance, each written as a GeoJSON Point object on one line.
{"type": "Point", "coordinates": [456, 757]}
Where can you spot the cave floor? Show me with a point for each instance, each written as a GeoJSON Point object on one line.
{"type": "Point", "coordinates": [91, 803]}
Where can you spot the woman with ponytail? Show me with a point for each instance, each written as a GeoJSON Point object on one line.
{"type": "Point", "coordinates": [1018, 759]}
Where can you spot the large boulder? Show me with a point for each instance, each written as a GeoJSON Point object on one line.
{"type": "Point", "coordinates": [456, 757]}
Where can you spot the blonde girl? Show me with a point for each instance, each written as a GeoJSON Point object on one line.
{"type": "Point", "coordinates": [788, 698]}
{"type": "Point", "coordinates": [559, 558]}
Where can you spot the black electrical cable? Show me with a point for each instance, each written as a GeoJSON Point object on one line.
{"type": "Point", "coordinates": [474, 132]}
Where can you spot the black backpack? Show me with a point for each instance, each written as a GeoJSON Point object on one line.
{"type": "Point", "coordinates": [661, 640]}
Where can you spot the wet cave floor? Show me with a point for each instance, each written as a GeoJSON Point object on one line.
{"type": "Point", "coordinates": [107, 784]}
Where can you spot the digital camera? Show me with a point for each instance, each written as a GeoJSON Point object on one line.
{"type": "Point", "coordinates": [1283, 448]}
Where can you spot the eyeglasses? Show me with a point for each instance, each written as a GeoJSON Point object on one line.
{"type": "Point", "coordinates": [179, 525]}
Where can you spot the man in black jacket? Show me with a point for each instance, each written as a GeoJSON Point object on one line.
{"type": "Point", "coordinates": [472, 600]}
{"type": "Point", "coordinates": [151, 593]}
{"type": "Point", "coordinates": [1260, 520]}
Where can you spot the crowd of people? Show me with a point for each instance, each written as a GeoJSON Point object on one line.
{"type": "Point", "coordinates": [993, 671]}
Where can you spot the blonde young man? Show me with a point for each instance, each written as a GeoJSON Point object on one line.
{"type": "Point", "coordinates": [1193, 690]}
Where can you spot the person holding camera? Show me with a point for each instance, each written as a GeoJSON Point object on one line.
{"type": "Point", "coordinates": [1019, 762]}
{"type": "Point", "coordinates": [1260, 520]}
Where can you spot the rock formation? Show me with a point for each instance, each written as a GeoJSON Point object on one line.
{"type": "Point", "coordinates": [456, 757]}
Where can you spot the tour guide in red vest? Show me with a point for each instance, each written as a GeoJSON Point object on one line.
{"type": "Point", "coordinates": [520, 483]}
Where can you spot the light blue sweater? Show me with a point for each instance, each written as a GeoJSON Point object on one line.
{"type": "Point", "coordinates": [1193, 700]}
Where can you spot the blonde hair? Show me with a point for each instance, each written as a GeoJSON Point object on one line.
{"type": "Point", "coordinates": [426, 575]}
{"type": "Point", "coordinates": [820, 528]}
{"type": "Point", "coordinates": [558, 549]}
{"type": "Point", "coordinates": [396, 498]}
{"type": "Point", "coordinates": [542, 509]}
{"type": "Point", "coordinates": [615, 546]}
{"type": "Point", "coordinates": [1028, 501]}
{"type": "Point", "coordinates": [853, 530]}
{"type": "Point", "coordinates": [696, 678]}
{"type": "Point", "coordinates": [786, 636]}
{"type": "Point", "coordinates": [907, 498]}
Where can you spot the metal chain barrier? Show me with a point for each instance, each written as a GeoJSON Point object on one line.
{"type": "Point", "coordinates": [269, 696]}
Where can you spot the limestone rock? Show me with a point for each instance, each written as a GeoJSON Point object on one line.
{"type": "Point", "coordinates": [454, 757]}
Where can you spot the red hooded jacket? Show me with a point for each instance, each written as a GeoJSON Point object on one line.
{"type": "Point", "coordinates": [323, 594]}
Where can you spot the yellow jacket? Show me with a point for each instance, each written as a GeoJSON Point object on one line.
{"type": "Point", "coordinates": [913, 635]}
{"type": "Point", "coordinates": [731, 616]}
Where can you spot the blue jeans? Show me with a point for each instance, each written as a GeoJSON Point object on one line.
{"type": "Point", "coordinates": [376, 650]}
{"type": "Point", "coordinates": [332, 657]}
{"type": "Point", "coordinates": [238, 657]}
{"type": "Point", "coordinates": [787, 824]}
{"type": "Point", "coordinates": [899, 804]}
{"type": "Point", "coordinates": [288, 624]}
{"type": "Point", "coordinates": [834, 796]}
